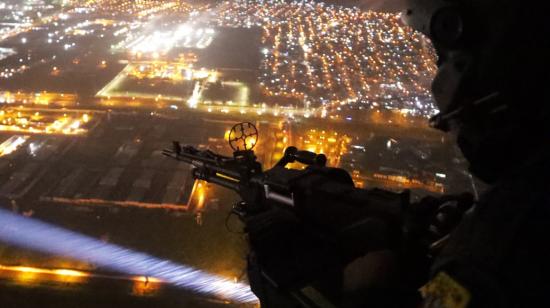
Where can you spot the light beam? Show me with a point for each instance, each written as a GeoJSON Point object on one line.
{"type": "Point", "coordinates": [36, 235]}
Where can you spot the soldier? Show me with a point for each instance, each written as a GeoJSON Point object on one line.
{"type": "Point", "coordinates": [490, 89]}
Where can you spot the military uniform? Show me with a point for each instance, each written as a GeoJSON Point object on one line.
{"type": "Point", "coordinates": [498, 255]}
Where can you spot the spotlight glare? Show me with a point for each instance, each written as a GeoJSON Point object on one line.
{"type": "Point", "coordinates": [36, 235]}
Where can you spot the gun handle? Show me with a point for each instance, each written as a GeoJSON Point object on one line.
{"type": "Point", "coordinates": [292, 154]}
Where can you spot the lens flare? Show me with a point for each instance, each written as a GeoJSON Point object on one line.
{"type": "Point", "coordinates": [35, 235]}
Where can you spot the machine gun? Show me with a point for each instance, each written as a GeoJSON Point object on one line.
{"type": "Point", "coordinates": [301, 223]}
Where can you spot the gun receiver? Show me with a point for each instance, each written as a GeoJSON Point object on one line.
{"type": "Point", "coordinates": [319, 199]}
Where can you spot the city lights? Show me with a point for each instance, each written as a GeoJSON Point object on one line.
{"type": "Point", "coordinates": [9, 146]}
{"type": "Point", "coordinates": [162, 42]}
{"type": "Point", "coordinates": [326, 56]}
{"type": "Point", "coordinates": [27, 121]}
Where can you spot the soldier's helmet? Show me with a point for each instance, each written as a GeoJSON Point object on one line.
{"type": "Point", "coordinates": [492, 82]}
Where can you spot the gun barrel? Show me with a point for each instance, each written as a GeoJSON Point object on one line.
{"type": "Point", "coordinates": [192, 159]}
{"type": "Point", "coordinates": [208, 169]}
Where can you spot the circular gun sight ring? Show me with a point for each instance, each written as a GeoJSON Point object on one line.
{"type": "Point", "coordinates": [243, 136]}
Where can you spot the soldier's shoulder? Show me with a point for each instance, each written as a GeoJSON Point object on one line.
{"type": "Point", "coordinates": [497, 256]}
